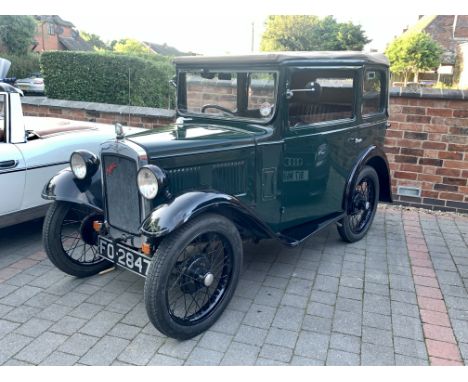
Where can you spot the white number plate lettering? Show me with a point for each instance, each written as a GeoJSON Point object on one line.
{"type": "Point", "coordinates": [124, 256]}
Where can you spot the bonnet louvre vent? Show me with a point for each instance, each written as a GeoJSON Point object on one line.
{"type": "Point", "coordinates": [181, 179]}
{"type": "Point", "coordinates": [228, 177]}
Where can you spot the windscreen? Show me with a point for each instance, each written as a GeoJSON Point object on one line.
{"type": "Point", "coordinates": [228, 94]}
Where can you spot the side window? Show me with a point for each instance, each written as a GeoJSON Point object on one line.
{"type": "Point", "coordinates": [2, 118]}
{"type": "Point", "coordinates": [373, 97]}
{"type": "Point", "coordinates": [320, 96]}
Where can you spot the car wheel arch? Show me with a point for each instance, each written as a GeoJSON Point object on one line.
{"type": "Point", "coordinates": [374, 157]}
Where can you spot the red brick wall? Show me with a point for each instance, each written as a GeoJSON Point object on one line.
{"type": "Point", "coordinates": [426, 145]}
{"type": "Point", "coordinates": [427, 148]}
{"type": "Point", "coordinates": [137, 119]}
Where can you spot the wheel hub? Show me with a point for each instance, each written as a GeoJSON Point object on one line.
{"type": "Point", "coordinates": [196, 275]}
{"type": "Point", "coordinates": [208, 279]}
{"type": "Point", "coordinates": [360, 203]}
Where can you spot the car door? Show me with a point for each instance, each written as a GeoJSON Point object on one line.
{"type": "Point", "coordinates": [319, 147]}
{"type": "Point", "coordinates": [12, 165]}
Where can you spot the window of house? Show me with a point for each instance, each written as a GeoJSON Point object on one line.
{"type": "Point", "coordinates": [51, 29]}
{"type": "Point", "coordinates": [373, 96]}
{"type": "Point", "coordinates": [320, 96]}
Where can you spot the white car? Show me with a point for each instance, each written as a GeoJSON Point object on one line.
{"type": "Point", "coordinates": [34, 84]}
{"type": "Point", "coordinates": [33, 150]}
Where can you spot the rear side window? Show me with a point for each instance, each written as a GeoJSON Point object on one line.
{"type": "Point", "coordinates": [320, 96]}
{"type": "Point", "coordinates": [373, 97]}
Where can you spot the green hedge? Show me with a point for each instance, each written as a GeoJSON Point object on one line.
{"type": "Point", "coordinates": [104, 77]}
{"type": "Point", "coordinates": [24, 65]}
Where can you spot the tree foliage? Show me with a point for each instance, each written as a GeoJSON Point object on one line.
{"type": "Point", "coordinates": [108, 77]}
{"type": "Point", "coordinates": [412, 53]}
{"type": "Point", "coordinates": [304, 32]}
{"type": "Point", "coordinates": [23, 65]}
{"type": "Point", "coordinates": [17, 33]}
{"type": "Point", "coordinates": [94, 40]}
{"type": "Point", "coordinates": [130, 46]}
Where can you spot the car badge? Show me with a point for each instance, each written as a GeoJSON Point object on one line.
{"type": "Point", "coordinates": [119, 131]}
{"type": "Point", "coordinates": [110, 168]}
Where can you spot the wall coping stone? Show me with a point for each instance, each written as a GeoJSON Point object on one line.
{"type": "Point", "coordinates": [451, 94]}
{"type": "Point", "coordinates": [100, 107]}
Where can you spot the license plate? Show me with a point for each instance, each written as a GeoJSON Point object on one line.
{"type": "Point", "coordinates": [124, 256]}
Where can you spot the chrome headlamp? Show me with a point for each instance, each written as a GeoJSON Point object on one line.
{"type": "Point", "coordinates": [84, 163]}
{"type": "Point", "coordinates": [150, 179]}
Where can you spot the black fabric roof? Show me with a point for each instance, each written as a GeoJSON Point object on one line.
{"type": "Point", "coordinates": [278, 57]}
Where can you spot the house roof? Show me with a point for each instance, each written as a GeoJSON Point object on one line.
{"type": "Point", "coordinates": [279, 57]}
{"type": "Point", "coordinates": [421, 25]}
{"type": "Point", "coordinates": [54, 19]}
{"type": "Point", "coordinates": [75, 43]}
{"type": "Point", "coordinates": [166, 50]}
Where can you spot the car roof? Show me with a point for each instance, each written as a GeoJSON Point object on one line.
{"type": "Point", "coordinates": [353, 57]}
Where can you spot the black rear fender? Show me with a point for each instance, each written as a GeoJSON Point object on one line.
{"type": "Point", "coordinates": [376, 158]}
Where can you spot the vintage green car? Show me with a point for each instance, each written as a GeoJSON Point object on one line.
{"type": "Point", "coordinates": [265, 146]}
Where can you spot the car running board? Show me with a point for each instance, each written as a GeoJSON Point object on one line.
{"type": "Point", "coordinates": [292, 237]}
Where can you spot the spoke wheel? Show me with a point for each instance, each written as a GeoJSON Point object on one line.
{"type": "Point", "coordinates": [364, 199]}
{"type": "Point", "coordinates": [70, 242]}
{"type": "Point", "coordinates": [199, 278]}
{"type": "Point", "coordinates": [362, 206]}
{"type": "Point", "coordinates": [71, 235]}
{"type": "Point", "coordinates": [193, 276]}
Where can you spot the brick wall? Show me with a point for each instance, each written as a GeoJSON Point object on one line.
{"type": "Point", "coordinates": [97, 112]}
{"type": "Point", "coordinates": [426, 145]}
{"type": "Point", "coordinates": [427, 148]}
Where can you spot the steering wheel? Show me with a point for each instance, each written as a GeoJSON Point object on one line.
{"type": "Point", "coordinates": [213, 106]}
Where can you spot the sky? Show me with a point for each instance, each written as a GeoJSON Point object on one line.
{"type": "Point", "coordinates": [225, 26]}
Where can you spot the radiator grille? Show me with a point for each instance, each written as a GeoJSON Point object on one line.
{"type": "Point", "coordinates": [122, 196]}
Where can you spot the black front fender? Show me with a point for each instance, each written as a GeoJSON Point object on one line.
{"type": "Point", "coordinates": [167, 217]}
{"type": "Point", "coordinates": [64, 186]}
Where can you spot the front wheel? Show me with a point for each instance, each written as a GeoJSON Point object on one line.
{"type": "Point", "coordinates": [193, 276]}
{"type": "Point", "coordinates": [70, 241]}
{"type": "Point", "coordinates": [362, 206]}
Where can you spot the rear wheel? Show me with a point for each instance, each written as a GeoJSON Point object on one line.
{"type": "Point", "coordinates": [193, 276]}
{"type": "Point", "coordinates": [362, 206]}
{"type": "Point", "coordinates": [70, 241]}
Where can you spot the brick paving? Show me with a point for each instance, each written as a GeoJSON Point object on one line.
{"type": "Point", "coordinates": [398, 297]}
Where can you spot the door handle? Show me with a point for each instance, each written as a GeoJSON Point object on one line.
{"type": "Point", "coordinates": [355, 140]}
{"type": "Point", "coordinates": [8, 164]}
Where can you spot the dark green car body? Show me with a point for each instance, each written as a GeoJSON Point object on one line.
{"type": "Point", "coordinates": [273, 176]}
{"type": "Point", "coordinates": [265, 146]}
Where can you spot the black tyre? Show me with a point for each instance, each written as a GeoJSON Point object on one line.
{"type": "Point", "coordinates": [62, 236]}
{"type": "Point", "coordinates": [193, 276]}
{"type": "Point", "coordinates": [362, 206]}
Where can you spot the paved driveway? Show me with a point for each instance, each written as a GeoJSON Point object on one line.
{"type": "Point", "coordinates": [397, 297]}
